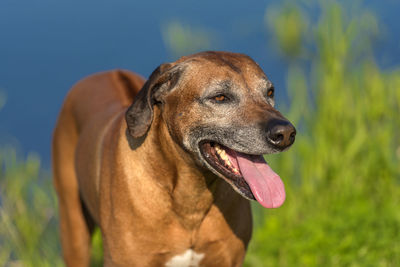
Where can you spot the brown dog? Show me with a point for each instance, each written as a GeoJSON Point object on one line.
{"type": "Point", "coordinates": [168, 177]}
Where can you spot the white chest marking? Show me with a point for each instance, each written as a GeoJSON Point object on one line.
{"type": "Point", "coordinates": [188, 259]}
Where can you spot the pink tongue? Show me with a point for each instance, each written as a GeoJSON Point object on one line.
{"type": "Point", "coordinates": [266, 186]}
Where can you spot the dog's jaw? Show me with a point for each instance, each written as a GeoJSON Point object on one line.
{"type": "Point", "coordinates": [249, 175]}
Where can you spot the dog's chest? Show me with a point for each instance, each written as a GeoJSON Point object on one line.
{"type": "Point", "coordinates": [187, 259]}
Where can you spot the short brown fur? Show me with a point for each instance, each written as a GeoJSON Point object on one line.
{"type": "Point", "coordinates": [150, 195]}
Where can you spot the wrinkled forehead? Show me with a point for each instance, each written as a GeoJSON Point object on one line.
{"type": "Point", "coordinates": [211, 68]}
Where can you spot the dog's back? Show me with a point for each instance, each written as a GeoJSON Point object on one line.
{"type": "Point", "coordinates": [114, 90]}
{"type": "Point", "coordinates": [87, 111]}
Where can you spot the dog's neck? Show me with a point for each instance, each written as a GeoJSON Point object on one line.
{"type": "Point", "coordinates": [190, 189]}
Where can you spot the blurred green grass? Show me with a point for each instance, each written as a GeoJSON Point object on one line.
{"type": "Point", "coordinates": [182, 39]}
{"type": "Point", "coordinates": [28, 213]}
{"type": "Point", "coordinates": [342, 175]}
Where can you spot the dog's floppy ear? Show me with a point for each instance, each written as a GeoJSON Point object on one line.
{"type": "Point", "coordinates": [140, 114]}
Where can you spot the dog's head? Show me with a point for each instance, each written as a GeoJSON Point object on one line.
{"type": "Point", "coordinates": [219, 107]}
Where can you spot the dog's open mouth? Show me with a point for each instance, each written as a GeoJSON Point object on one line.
{"type": "Point", "coordinates": [250, 175]}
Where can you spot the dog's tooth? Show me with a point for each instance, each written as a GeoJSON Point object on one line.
{"type": "Point", "coordinates": [223, 153]}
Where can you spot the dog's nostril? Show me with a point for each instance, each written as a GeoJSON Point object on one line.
{"type": "Point", "coordinates": [292, 136]}
{"type": "Point", "coordinates": [277, 137]}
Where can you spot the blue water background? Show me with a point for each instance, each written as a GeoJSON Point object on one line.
{"type": "Point", "coordinates": [48, 45]}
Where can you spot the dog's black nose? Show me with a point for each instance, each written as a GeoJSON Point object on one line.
{"type": "Point", "coordinates": [280, 133]}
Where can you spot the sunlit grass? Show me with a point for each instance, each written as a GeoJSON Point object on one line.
{"type": "Point", "coordinates": [28, 214]}
{"type": "Point", "coordinates": [182, 39]}
{"type": "Point", "coordinates": [342, 175]}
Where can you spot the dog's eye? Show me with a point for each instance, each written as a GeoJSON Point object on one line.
{"type": "Point", "coordinates": [270, 92]}
{"type": "Point", "coordinates": [220, 98]}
